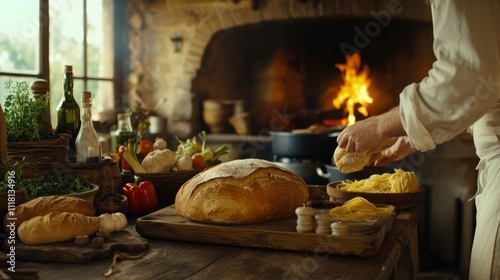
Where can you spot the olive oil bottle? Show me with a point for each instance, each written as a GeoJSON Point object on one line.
{"type": "Point", "coordinates": [125, 132]}
{"type": "Point", "coordinates": [68, 112]}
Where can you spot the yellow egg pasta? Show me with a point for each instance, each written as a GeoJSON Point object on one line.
{"type": "Point", "coordinates": [358, 209]}
{"type": "Point", "coordinates": [398, 182]}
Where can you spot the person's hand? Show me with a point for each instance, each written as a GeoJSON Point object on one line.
{"type": "Point", "coordinates": [398, 151]}
{"type": "Point", "coordinates": [361, 136]}
{"type": "Point", "coordinates": [372, 132]}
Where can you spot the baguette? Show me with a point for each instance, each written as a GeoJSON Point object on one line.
{"type": "Point", "coordinates": [47, 204]}
{"type": "Point", "coordinates": [241, 192]}
{"type": "Point", "coordinates": [56, 227]}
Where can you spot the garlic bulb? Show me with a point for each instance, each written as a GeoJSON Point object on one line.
{"type": "Point", "coordinates": [112, 222]}
{"type": "Point", "coordinates": [120, 221]}
{"type": "Point", "coordinates": [160, 143]}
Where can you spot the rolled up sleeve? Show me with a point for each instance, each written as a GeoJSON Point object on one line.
{"type": "Point", "coordinates": [459, 88]}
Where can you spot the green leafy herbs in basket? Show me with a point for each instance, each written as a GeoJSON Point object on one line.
{"type": "Point", "coordinates": [53, 185]}
{"type": "Point", "coordinates": [25, 117]}
{"type": "Point", "coordinates": [12, 176]}
{"type": "Point", "coordinates": [8, 185]}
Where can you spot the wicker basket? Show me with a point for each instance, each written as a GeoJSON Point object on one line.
{"type": "Point", "coordinates": [166, 184]}
{"type": "Point", "coordinates": [106, 174]}
{"type": "Point", "coordinates": [41, 155]}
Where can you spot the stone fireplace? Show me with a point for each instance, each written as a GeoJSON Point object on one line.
{"type": "Point", "coordinates": [277, 57]}
{"type": "Point", "coordinates": [273, 55]}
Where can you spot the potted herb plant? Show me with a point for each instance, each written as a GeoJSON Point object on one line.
{"type": "Point", "coordinates": [10, 193]}
{"type": "Point", "coordinates": [28, 139]}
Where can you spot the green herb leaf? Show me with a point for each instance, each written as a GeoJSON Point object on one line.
{"type": "Point", "coordinates": [24, 116]}
{"type": "Point", "coordinates": [53, 185]}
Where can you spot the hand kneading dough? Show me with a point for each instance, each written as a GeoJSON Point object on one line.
{"type": "Point", "coordinates": [356, 161]}
{"type": "Point", "coordinates": [241, 192]}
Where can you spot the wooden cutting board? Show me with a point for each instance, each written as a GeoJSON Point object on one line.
{"type": "Point", "coordinates": [69, 252]}
{"type": "Point", "coordinates": [364, 239]}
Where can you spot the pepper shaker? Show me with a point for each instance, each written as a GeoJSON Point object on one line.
{"type": "Point", "coordinates": [323, 221]}
{"type": "Point", "coordinates": [304, 219]}
{"type": "Point", "coordinates": [339, 228]}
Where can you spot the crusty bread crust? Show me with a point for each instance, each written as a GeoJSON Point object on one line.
{"type": "Point", "coordinates": [350, 162]}
{"type": "Point", "coordinates": [356, 161]}
{"type": "Point", "coordinates": [241, 192]}
{"type": "Point", "coordinates": [46, 204]}
{"type": "Point", "coordinates": [56, 227]}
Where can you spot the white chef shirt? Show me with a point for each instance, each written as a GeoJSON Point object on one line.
{"type": "Point", "coordinates": [464, 82]}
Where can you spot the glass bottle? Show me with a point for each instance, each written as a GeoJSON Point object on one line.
{"type": "Point", "coordinates": [88, 145]}
{"type": "Point", "coordinates": [68, 111]}
{"type": "Point", "coordinates": [124, 131]}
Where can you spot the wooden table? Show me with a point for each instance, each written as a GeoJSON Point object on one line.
{"type": "Point", "coordinates": [166, 259]}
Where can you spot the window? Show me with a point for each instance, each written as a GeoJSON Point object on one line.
{"type": "Point", "coordinates": [78, 33]}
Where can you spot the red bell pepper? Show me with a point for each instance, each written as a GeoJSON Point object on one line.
{"type": "Point", "coordinates": [141, 197]}
{"type": "Point", "coordinates": [131, 191]}
{"type": "Point", "coordinates": [123, 162]}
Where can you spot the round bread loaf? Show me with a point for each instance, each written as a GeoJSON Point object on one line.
{"type": "Point", "coordinates": [241, 192]}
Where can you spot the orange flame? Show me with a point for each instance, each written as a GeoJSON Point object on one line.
{"type": "Point", "coordinates": [355, 88]}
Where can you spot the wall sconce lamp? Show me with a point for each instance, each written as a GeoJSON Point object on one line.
{"type": "Point", "coordinates": [177, 40]}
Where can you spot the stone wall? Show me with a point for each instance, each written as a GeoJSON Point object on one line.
{"type": "Point", "coordinates": [160, 73]}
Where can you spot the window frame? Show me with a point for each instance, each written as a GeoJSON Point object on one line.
{"type": "Point", "coordinates": [120, 66]}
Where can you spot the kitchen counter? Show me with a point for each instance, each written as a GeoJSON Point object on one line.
{"type": "Point", "coordinates": [167, 259]}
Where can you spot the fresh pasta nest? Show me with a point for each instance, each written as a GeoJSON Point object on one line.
{"type": "Point", "coordinates": [398, 182]}
{"type": "Point", "coordinates": [359, 209]}
{"type": "Point", "coordinates": [400, 189]}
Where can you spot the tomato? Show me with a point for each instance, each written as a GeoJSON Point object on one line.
{"type": "Point", "coordinates": [145, 147]}
{"type": "Point", "coordinates": [198, 162]}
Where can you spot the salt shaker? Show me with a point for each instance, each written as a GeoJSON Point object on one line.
{"type": "Point", "coordinates": [323, 221]}
{"type": "Point", "coordinates": [304, 219]}
{"type": "Point", "coordinates": [339, 228]}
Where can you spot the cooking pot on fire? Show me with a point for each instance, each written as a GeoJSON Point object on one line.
{"type": "Point", "coordinates": [304, 145]}
{"type": "Point", "coordinates": [332, 174]}
{"type": "Point", "coordinates": [306, 171]}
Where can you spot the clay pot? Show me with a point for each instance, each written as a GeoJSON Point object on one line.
{"type": "Point", "coordinates": [110, 203]}
{"type": "Point", "coordinates": [216, 114]}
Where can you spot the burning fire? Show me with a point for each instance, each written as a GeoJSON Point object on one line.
{"type": "Point", "coordinates": [355, 88]}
